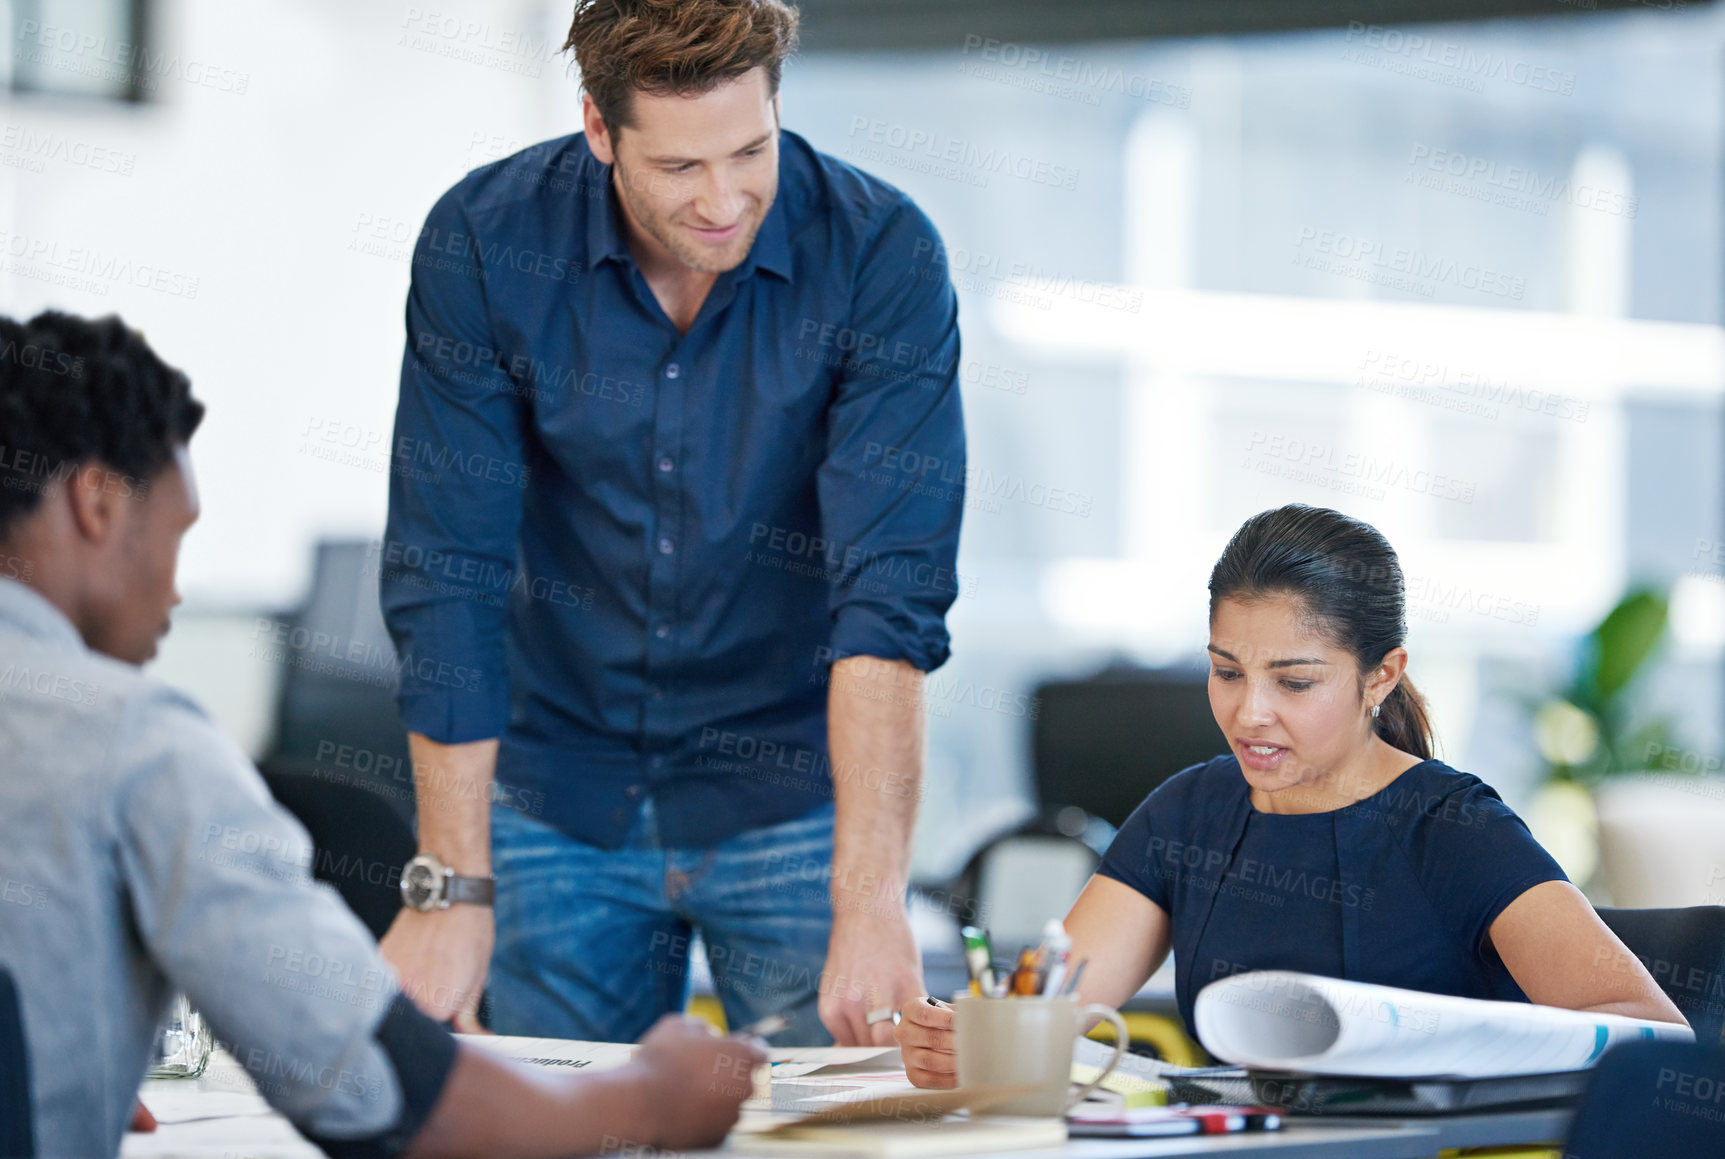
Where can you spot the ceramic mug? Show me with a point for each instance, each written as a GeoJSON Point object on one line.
{"type": "Point", "coordinates": [1027, 1041]}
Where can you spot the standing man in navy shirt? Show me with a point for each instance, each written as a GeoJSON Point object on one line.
{"type": "Point", "coordinates": [664, 565]}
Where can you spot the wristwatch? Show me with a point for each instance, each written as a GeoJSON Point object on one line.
{"type": "Point", "coordinates": [427, 884]}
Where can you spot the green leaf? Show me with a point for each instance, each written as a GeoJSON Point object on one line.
{"type": "Point", "coordinates": [1620, 645]}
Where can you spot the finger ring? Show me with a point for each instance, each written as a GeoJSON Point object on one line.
{"type": "Point", "coordinates": [881, 1015]}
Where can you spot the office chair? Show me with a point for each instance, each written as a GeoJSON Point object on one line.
{"type": "Point", "coordinates": [1099, 745]}
{"type": "Point", "coordinates": [359, 840]}
{"type": "Point", "coordinates": [339, 759]}
{"type": "Point", "coordinates": [17, 1132]}
{"type": "Point", "coordinates": [1664, 1099]}
{"type": "Point", "coordinates": [336, 713]}
{"type": "Point", "coordinates": [1104, 742]}
{"type": "Point", "coordinates": [1018, 880]}
{"type": "Point", "coordinates": [1684, 950]}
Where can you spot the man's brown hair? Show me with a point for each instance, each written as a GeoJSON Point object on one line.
{"type": "Point", "coordinates": [678, 47]}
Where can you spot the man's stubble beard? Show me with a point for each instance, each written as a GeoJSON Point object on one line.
{"type": "Point", "coordinates": [663, 232]}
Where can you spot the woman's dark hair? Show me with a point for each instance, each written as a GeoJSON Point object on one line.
{"type": "Point", "coordinates": [75, 391]}
{"type": "Point", "coordinates": [1346, 576]}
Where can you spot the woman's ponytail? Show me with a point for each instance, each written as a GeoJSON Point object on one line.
{"type": "Point", "coordinates": [1402, 721]}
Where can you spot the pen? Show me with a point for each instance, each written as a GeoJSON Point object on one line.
{"type": "Point", "coordinates": [771, 1024]}
{"type": "Point", "coordinates": [1070, 986]}
{"type": "Point", "coordinates": [1057, 954]}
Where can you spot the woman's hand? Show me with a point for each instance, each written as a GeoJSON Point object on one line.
{"type": "Point", "coordinates": [926, 1040]}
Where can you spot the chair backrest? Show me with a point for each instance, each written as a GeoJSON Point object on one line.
{"type": "Point", "coordinates": [1104, 742]}
{"type": "Point", "coordinates": [360, 841]}
{"type": "Point", "coordinates": [337, 705]}
{"type": "Point", "coordinates": [1684, 950]}
{"type": "Point", "coordinates": [1020, 879]}
{"type": "Point", "coordinates": [1661, 1099]}
{"type": "Point", "coordinates": [1023, 880]}
{"type": "Point", "coordinates": [17, 1132]}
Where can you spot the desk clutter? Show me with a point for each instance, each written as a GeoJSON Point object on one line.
{"type": "Point", "coordinates": [1310, 1047]}
{"type": "Point", "coordinates": [1044, 971]}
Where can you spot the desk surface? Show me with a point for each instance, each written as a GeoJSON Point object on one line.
{"type": "Point", "coordinates": [219, 1116]}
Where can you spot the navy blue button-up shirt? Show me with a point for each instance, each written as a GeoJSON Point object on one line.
{"type": "Point", "coordinates": [632, 553]}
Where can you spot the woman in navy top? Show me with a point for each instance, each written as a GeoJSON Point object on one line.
{"type": "Point", "coordinates": [1329, 840]}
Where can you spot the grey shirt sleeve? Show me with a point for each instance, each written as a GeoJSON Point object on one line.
{"type": "Point", "coordinates": [217, 877]}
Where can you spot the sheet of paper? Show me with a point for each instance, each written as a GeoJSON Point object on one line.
{"type": "Point", "coordinates": [555, 1053]}
{"type": "Point", "coordinates": [1282, 1020]}
{"type": "Point", "coordinates": [176, 1105]}
{"type": "Point", "coordinates": [819, 1057]}
{"type": "Point", "coordinates": [251, 1136]}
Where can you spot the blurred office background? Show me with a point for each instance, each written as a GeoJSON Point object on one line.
{"type": "Point", "coordinates": [1461, 279]}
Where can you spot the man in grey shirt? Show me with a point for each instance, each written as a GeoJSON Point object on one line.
{"type": "Point", "coordinates": [140, 852]}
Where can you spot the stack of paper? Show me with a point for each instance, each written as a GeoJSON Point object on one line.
{"type": "Point", "coordinates": [904, 1123]}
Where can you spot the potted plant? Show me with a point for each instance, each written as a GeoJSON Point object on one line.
{"type": "Point", "coordinates": [1619, 797]}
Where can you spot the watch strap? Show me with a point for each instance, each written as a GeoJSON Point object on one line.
{"type": "Point", "coordinates": [458, 890]}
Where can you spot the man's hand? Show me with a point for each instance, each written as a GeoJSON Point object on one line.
{"type": "Point", "coordinates": [442, 958]}
{"type": "Point", "coordinates": [696, 1081]}
{"type": "Point", "coordinates": [872, 964]}
{"type": "Point", "coordinates": [926, 1039]}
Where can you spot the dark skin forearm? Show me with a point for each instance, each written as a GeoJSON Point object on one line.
{"type": "Point", "coordinates": [496, 1108]}
{"type": "Point", "coordinates": [683, 1089]}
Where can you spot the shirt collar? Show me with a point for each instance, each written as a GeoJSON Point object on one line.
{"type": "Point", "coordinates": [24, 609]}
{"type": "Point", "coordinates": [604, 234]}
{"type": "Point", "coordinates": [771, 250]}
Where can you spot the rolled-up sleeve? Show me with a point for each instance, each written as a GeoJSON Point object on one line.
{"type": "Point", "coordinates": [459, 471]}
{"type": "Point", "coordinates": [893, 481]}
{"type": "Point", "coordinates": [217, 882]}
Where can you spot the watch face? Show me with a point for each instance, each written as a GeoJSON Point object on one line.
{"type": "Point", "coordinates": [420, 885]}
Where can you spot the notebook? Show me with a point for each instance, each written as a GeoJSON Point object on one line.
{"type": "Point", "coordinates": [975, 1135]}
{"type": "Point", "coordinates": [906, 1122]}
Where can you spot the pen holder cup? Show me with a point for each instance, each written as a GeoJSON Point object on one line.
{"type": "Point", "coordinates": [1028, 1041]}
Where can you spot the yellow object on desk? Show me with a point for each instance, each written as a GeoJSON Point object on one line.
{"type": "Point", "coordinates": [1164, 1034]}
{"type": "Point", "coordinates": [1135, 1090]}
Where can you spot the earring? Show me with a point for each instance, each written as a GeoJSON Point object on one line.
{"type": "Point", "coordinates": [1376, 708]}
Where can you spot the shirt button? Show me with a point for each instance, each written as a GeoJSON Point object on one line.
{"type": "Point", "coordinates": [658, 694]}
{"type": "Point", "coordinates": [665, 547]}
{"type": "Point", "coordinates": [665, 463]}
{"type": "Point", "coordinates": [673, 370]}
{"type": "Point", "coordinates": [658, 762]}
{"type": "Point", "coordinates": [662, 631]}
{"type": "Point", "coordinates": [633, 791]}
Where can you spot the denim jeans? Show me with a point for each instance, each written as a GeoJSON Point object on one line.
{"type": "Point", "coordinates": [594, 944]}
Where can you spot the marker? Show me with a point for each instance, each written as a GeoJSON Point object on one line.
{"type": "Point", "coordinates": [979, 960]}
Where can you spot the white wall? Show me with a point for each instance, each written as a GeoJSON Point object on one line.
{"type": "Point", "coordinates": [355, 115]}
